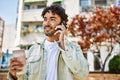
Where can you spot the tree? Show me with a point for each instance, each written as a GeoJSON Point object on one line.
{"type": "Point", "coordinates": [102, 26]}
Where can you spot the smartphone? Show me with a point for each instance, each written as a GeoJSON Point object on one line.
{"type": "Point", "coordinates": [62, 23]}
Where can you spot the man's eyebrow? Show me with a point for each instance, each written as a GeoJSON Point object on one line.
{"type": "Point", "coordinates": [53, 17]}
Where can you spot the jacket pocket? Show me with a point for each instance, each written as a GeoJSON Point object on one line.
{"type": "Point", "coordinates": [34, 63]}
{"type": "Point", "coordinates": [34, 66]}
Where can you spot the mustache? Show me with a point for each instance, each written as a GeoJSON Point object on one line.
{"type": "Point", "coordinates": [48, 27]}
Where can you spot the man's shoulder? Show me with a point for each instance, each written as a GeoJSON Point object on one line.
{"type": "Point", "coordinates": [34, 52]}
{"type": "Point", "coordinates": [35, 45]}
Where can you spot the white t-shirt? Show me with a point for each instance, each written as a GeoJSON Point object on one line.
{"type": "Point", "coordinates": [52, 51]}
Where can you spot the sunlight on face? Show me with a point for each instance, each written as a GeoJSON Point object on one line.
{"type": "Point", "coordinates": [50, 22]}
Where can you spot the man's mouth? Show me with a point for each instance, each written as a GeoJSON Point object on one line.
{"type": "Point", "coordinates": [47, 28]}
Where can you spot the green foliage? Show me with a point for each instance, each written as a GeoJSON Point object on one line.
{"type": "Point", "coordinates": [114, 64]}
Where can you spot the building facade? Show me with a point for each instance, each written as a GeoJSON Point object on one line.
{"type": "Point", "coordinates": [88, 4]}
{"type": "Point", "coordinates": [1, 32]}
{"type": "Point", "coordinates": [29, 21]}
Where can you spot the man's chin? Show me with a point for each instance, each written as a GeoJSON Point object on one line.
{"type": "Point", "coordinates": [49, 34]}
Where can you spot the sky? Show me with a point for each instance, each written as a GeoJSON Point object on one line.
{"type": "Point", "coordinates": [8, 11]}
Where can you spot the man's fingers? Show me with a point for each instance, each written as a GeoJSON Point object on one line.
{"type": "Point", "coordinates": [15, 65]}
{"type": "Point", "coordinates": [16, 68]}
{"type": "Point", "coordinates": [58, 32]}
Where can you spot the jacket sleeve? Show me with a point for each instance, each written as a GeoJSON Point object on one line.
{"type": "Point", "coordinates": [74, 59]}
{"type": "Point", "coordinates": [20, 77]}
{"type": "Point", "coordinates": [9, 76]}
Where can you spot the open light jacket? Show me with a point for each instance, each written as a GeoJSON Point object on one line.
{"type": "Point", "coordinates": [70, 63]}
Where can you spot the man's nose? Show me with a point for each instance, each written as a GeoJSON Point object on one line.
{"type": "Point", "coordinates": [47, 22]}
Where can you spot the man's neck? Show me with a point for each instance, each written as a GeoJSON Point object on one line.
{"type": "Point", "coordinates": [52, 39]}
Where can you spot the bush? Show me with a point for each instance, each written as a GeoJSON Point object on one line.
{"type": "Point", "coordinates": [114, 64]}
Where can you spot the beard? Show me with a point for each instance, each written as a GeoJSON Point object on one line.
{"type": "Point", "coordinates": [49, 31]}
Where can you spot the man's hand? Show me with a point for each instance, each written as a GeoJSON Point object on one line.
{"type": "Point", "coordinates": [15, 66]}
{"type": "Point", "coordinates": [63, 31]}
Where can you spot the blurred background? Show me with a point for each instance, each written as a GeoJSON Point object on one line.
{"type": "Point", "coordinates": [20, 20]}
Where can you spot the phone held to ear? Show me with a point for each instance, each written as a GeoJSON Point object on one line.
{"type": "Point", "coordinates": [62, 23]}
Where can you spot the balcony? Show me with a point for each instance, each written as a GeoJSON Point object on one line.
{"type": "Point", "coordinates": [32, 15]}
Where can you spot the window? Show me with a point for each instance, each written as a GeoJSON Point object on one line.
{"type": "Point", "coordinates": [84, 2]}
{"type": "Point", "coordinates": [85, 5]}
{"type": "Point", "coordinates": [40, 6]}
{"type": "Point", "coordinates": [58, 3]}
{"type": "Point", "coordinates": [24, 27]}
{"type": "Point", "coordinates": [33, 7]}
{"type": "Point", "coordinates": [26, 7]}
{"type": "Point", "coordinates": [39, 28]}
{"type": "Point", "coordinates": [24, 30]}
{"type": "Point", "coordinates": [100, 2]}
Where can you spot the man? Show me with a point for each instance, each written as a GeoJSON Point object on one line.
{"type": "Point", "coordinates": [54, 59]}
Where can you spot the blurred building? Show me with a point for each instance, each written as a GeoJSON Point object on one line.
{"type": "Point", "coordinates": [29, 21]}
{"type": "Point", "coordinates": [9, 38]}
{"type": "Point", "coordinates": [1, 32]}
{"type": "Point", "coordinates": [89, 4]}
{"type": "Point", "coordinates": [29, 28]}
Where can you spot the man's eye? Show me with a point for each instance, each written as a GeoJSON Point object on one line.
{"type": "Point", "coordinates": [53, 20]}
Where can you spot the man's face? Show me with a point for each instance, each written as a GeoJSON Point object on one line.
{"type": "Point", "coordinates": [50, 22]}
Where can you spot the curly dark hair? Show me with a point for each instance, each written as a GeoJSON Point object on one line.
{"type": "Point", "coordinates": [56, 9]}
